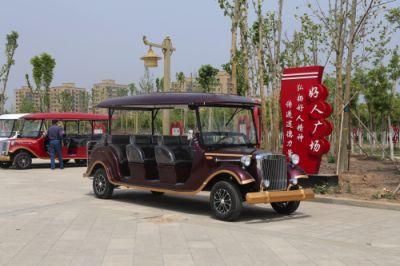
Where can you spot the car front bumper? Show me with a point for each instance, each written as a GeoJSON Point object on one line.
{"type": "Point", "coordinates": [5, 158]}
{"type": "Point", "coordinates": [279, 196]}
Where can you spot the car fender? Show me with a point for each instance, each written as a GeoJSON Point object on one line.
{"type": "Point", "coordinates": [242, 176]}
{"type": "Point", "coordinates": [104, 156]}
{"type": "Point", "coordinates": [295, 171]}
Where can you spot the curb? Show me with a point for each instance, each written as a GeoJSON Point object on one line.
{"type": "Point", "coordinates": [358, 203]}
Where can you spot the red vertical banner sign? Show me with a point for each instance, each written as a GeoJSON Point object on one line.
{"type": "Point", "coordinates": [304, 116]}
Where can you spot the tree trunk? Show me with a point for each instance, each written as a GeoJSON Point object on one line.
{"type": "Point", "coordinates": [260, 60]}
{"type": "Point", "coordinates": [244, 31]}
{"type": "Point", "coordinates": [343, 156]}
{"type": "Point", "coordinates": [338, 38]}
{"type": "Point", "coordinates": [276, 84]}
{"type": "Point", "coordinates": [2, 103]}
{"type": "Point", "coordinates": [235, 20]}
{"type": "Point", "coordinates": [383, 137]}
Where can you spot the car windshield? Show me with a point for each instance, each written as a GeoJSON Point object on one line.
{"type": "Point", "coordinates": [31, 129]}
{"type": "Point", "coordinates": [6, 128]}
{"type": "Point", "coordinates": [227, 126]}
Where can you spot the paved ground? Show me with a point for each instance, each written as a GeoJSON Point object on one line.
{"type": "Point", "coordinates": [52, 218]}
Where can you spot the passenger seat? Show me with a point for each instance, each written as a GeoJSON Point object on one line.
{"type": "Point", "coordinates": [141, 157]}
{"type": "Point", "coordinates": [140, 149]}
{"type": "Point", "coordinates": [119, 143]}
{"type": "Point", "coordinates": [174, 159]}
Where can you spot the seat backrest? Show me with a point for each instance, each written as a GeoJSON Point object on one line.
{"type": "Point", "coordinates": [118, 143]}
{"type": "Point", "coordinates": [172, 149]}
{"type": "Point", "coordinates": [169, 140]}
{"type": "Point", "coordinates": [135, 154]}
{"type": "Point", "coordinates": [141, 148]}
{"type": "Point", "coordinates": [140, 139]}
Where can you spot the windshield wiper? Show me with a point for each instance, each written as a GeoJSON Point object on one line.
{"type": "Point", "coordinates": [237, 110]}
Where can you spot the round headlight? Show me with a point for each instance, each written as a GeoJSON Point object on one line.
{"type": "Point", "coordinates": [295, 159]}
{"type": "Point", "coordinates": [245, 160]}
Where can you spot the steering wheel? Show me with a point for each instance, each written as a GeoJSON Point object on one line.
{"type": "Point", "coordinates": [234, 137]}
{"type": "Point", "coordinates": [225, 138]}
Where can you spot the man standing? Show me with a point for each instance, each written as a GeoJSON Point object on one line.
{"type": "Point", "coordinates": [55, 135]}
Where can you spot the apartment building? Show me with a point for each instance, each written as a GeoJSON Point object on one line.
{"type": "Point", "coordinates": [106, 89]}
{"type": "Point", "coordinates": [68, 97]}
{"type": "Point", "coordinates": [24, 93]}
{"type": "Point", "coordinates": [190, 83]}
{"type": "Point", "coordinates": [63, 98]}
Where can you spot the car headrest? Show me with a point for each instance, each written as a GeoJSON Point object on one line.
{"type": "Point", "coordinates": [169, 140]}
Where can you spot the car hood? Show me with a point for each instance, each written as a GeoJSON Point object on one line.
{"type": "Point", "coordinates": [234, 151]}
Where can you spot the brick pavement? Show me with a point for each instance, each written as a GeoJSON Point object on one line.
{"type": "Point", "coordinates": [52, 218]}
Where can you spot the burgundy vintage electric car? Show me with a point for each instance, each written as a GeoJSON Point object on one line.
{"type": "Point", "coordinates": [215, 151]}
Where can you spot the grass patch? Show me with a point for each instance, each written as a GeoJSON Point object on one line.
{"type": "Point", "coordinates": [384, 194]}
{"type": "Point", "coordinates": [324, 189]}
{"type": "Point", "coordinates": [331, 158]}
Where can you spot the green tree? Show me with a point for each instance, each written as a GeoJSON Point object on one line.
{"type": "Point", "coordinates": [84, 101]}
{"type": "Point", "coordinates": [349, 23]}
{"type": "Point", "coordinates": [160, 84]}
{"type": "Point", "coordinates": [267, 37]}
{"type": "Point", "coordinates": [66, 101]}
{"type": "Point", "coordinates": [146, 83]}
{"type": "Point", "coordinates": [233, 9]}
{"type": "Point", "coordinates": [180, 78]}
{"type": "Point", "coordinates": [394, 75]}
{"type": "Point", "coordinates": [27, 106]}
{"type": "Point", "coordinates": [242, 82]}
{"type": "Point", "coordinates": [11, 46]}
{"type": "Point", "coordinates": [207, 78]}
{"type": "Point", "coordinates": [42, 72]}
{"type": "Point", "coordinates": [133, 90]}
{"type": "Point", "coordinates": [121, 92]}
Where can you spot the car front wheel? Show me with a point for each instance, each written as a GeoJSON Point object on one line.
{"type": "Point", "coordinates": [287, 207]}
{"type": "Point", "coordinates": [225, 201]}
{"type": "Point", "coordinates": [101, 186]}
{"type": "Point", "coordinates": [23, 160]}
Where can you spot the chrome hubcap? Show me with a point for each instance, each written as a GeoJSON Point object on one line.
{"type": "Point", "coordinates": [23, 162]}
{"type": "Point", "coordinates": [100, 183]}
{"type": "Point", "coordinates": [222, 201]}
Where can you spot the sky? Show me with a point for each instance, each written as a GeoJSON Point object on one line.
{"type": "Point", "coordinates": [93, 40]}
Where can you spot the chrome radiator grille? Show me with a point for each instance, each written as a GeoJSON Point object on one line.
{"type": "Point", "coordinates": [273, 168]}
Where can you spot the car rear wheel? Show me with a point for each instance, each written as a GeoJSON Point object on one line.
{"type": "Point", "coordinates": [101, 186]}
{"type": "Point", "coordinates": [287, 207]}
{"type": "Point", "coordinates": [23, 160]}
{"type": "Point", "coordinates": [226, 201]}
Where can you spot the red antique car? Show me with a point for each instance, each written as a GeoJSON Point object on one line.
{"type": "Point", "coordinates": [31, 142]}
{"type": "Point", "coordinates": [216, 150]}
